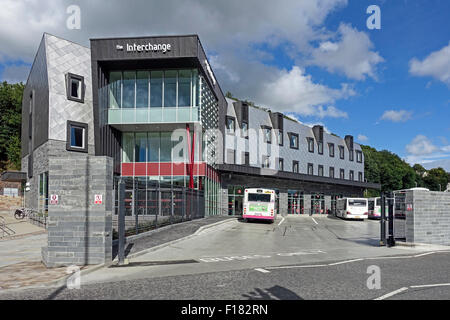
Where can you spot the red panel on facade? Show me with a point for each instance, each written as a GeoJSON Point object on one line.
{"type": "Point", "coordinates": [166, 168]}
{"type": "Point", "coordinates": [200, 169]}
{"type": "Point", "coordinates": [178, 169]}
{"type": "Point", "coordinates": [153, 169]}
{"type": "Point", "coordinates": [127, 169]}
{"type": "Point", "coordinates": [140, 169]}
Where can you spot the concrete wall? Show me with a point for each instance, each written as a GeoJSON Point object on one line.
{"type": "Point", "coordinates": [9, 204]}
{"type": "Point", "coordinates": [41, 155]}
{"type": "Point", "coordinates": [429, 221]}
{"type": "Point", "coordinates": [79, 231]}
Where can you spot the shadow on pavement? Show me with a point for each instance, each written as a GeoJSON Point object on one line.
{"type": "Point", "coordinates": [273, 293]}
{"type": "Point", "coordinates": [55, 293]}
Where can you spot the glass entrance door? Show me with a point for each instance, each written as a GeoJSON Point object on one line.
{"type": "Point", "coordinates": [317, 204]}
{"type": "Point", "coordinates": [295, 202]}
{"type": "Point", "coordinates": [235, 200]}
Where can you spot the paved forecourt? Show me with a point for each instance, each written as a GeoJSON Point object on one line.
{"type": "Point", "coordinates": [237, 245]}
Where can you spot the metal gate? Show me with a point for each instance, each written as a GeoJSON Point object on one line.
{"type": "Point", "coordinates": [399, 216]}
{"type": "Point", "coordinates": [393, 218]}
{"type": "Point", "coordinates": [148, 205]}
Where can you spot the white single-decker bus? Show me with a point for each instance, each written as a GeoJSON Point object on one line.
{"type": "Point", "coordinates": [374, 208]}
{"type": "Point", "coordinates": [352, 208]}
{"type": "Point", "coordinates": [259, 204]}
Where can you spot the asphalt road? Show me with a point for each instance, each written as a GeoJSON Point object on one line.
{"type": "Point", "coordinates": [295, 258]}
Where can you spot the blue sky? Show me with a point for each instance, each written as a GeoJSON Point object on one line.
{"type": "Point", "coordinates": [315, 60]}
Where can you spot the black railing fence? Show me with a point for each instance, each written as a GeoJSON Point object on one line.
{"type": "Point", "coordinates": [149, 205]}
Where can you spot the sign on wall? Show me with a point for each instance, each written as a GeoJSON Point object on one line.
{"type": "Point", "coordinates": [54, 199]}
{"type": "Point", "coordinates": [98, 199]}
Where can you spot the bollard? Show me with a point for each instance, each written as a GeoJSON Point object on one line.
{"type": "Point", "coordinates": [383, 220]}
{"type": "Point", "coordinates": [390, 240]}
{"type": "Point", "coordinates": [121, 222]}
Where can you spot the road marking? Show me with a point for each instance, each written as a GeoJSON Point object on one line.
{"type": "Point", "coordinates": [314, 220]}
{"type": "Point", "coordinates": [281, 221]}
{"type": "Point", "coordinates": [262, 270]}
{"type": "Point", "coordinates": [393, 293]}
{"type": "Point", "coordinates": [304, 266]}
{"type": "Point", "coordinates": [346, 261]}
{"type": "Point", "coordinates": [349, 261]}
{"type": "Point", "coordinates": [431, 285]}
{"type": "Point", "coordinates": [424, 254]}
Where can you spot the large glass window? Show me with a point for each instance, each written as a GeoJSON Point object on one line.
{"type": "Point", "coordinates": [184, 88]}
{"type": "Point", "coordinates": [115, 84]}
{"type": "Point", "coordinates": [142, 89]}
{"type": "Point", "coordinates": [153, 146]}
{"type": "Point", "coordinates": [128, 147]}
{"type": "Point", "coordinates": [310, 144]}
{"type": "Point", "coordinates": [358, 156]}
{"type": "Point", "coordinates": [128, 89]}
{"type": "Point", "coordinates": [341, 152]}
{"type": "Point", "coordinates": [170, 88]}
{"type": "Point", "coordinates": [230, 125]}
{"type": "Point", "coordinates": [267, 135]}
{"type": "Point", "coordinates": [156, 88]}
{"type": "Point", "coordinates": [141, 147]}
{"type": "Point", "coordinates": [77, 137]}
{"type": "Point", "coordinates": [293, 140]}
{"type": "Point", "coordinates": [331, 149]}
{"type": "Point", "coordinates": [295, 166]}
{"type": "Point", "coordinates": [244, 130]}
{"type": "Point", "coordinates": [166, 147]}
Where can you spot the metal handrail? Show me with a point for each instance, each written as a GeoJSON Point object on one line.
{"type": "Point", "coordinates": [5, 229]}
{"type": "Point", "coordinates": [34, 216]}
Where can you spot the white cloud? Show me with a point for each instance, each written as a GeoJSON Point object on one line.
{"type": "Point", "coordinates": [362, 138]}
{"type": "Point", "coordinates": [226, 24]}
{"type": "Point", "coordinates": [397, 115]}
{"type": "Point", "coordinates": [422, 150]}
{"type": "Point", "coordinates": [421, 145]}
{"type": "Point", "coordinates": [229, 31]}
{"type": "Point", "coordinates": [294, 91]}
{"type": "Point", "coordinates": [350, 54]}
{"type": "Point", "coordinates": [15, 73]}
{"type": "Point", "coordinates": [436, 65]}
{"type": "Point", "coordinates": [309, 124]}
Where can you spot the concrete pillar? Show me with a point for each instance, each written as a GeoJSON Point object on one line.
{"type": "Point", "coordinates": [79, 230]}
{"type": "Point", "coordinates": [283, 203]}
{"type": "Point", "coordinates": [327, 203]}
{"type": "Point", "coordinates": [307, 203]}
{"type": "Point", "coordinates": [224, 201]}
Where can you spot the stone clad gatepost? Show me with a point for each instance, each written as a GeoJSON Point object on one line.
{"type": "Point", "coordinates": [79, 230]}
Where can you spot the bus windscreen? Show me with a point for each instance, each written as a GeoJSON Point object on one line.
{"type": "Point", "coordinates": [357, 203]}
{"type": "Point", "coordinates": [258, 197]}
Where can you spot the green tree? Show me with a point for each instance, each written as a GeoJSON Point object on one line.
{"type": "Point", "coordinates": [388, 169]}
{"type": "Point", "coordinates": [420, 172]}
{"type": "Point", "coordinates": [10, 124]}
{"type": "Point", "coordinates": [229, 95]}
{"type": "Point", "coordinates": [436, 177]}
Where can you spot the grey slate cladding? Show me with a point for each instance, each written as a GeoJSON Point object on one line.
{"type": "Point", "coordinates": [259, 118]}
{"type": "Point", "coordinates": [429, 220]}
{"type": "Point", "coordinates": [79, 232]}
